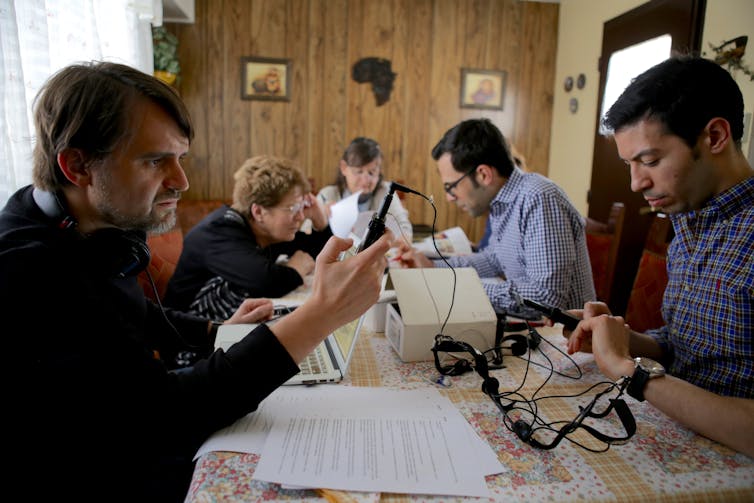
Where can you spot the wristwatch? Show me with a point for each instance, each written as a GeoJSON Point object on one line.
{"type": "Point", "coordinates": [644, 370]}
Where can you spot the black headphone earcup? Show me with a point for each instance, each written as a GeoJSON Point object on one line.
{"type": "Point", "coordinates": [118, 253]}
{"type": "Point", "coordinates": [460, 367]}
{"type": "Point", "coordinates": [522, 429]}
{"type": "Point", "coordinates": [520, 344]}
{"type": "Point", "coordinates": [490, 386]}
{"type": "Point", "coordinates": [138, 257]}
{"type": "Point", "coordinates": [519, 348]}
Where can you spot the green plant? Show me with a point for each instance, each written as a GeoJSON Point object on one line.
{"type": "Point", "coordinates": [165, 50]}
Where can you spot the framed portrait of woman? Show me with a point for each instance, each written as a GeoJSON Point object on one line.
{"type": "Point", "coordinates": [482, 89]}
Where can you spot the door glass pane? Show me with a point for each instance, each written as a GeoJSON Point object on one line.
{"type": "Point", "coordinates": [627, 63]}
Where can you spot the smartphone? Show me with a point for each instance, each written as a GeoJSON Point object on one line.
{"type": "Point", "coordinates": [568, 320]}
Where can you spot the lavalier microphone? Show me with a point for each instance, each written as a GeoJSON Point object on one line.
{"type": "Point", "coordinates": [376, 227]}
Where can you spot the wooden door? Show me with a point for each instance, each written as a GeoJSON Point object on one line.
{"type": "Point", "coordinates": [683, 21]}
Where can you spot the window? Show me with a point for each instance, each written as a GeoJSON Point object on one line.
{"type": "Point", "coordinates": [627, 63]}
{"type": "Point", "coordinates": [39, 37]}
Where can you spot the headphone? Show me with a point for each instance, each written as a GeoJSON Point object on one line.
{"type": "Point", "coordinates": [446, 344]}
{"type": "Point", "coordinates": [523, 429]}
{"type": "Point", "coordinates": [116, 252]}
{"type": "Point", "coordinates": [520, 343]}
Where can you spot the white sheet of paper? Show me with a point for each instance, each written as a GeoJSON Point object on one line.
{"type": "Point", "coordinates": [245, 435]}
{"type": "Point", "coordinates": [343, 215]}
{"type": "Point", "coordinates": [450, 242]}
{"type": "Point", "coordinates": [374, 439]}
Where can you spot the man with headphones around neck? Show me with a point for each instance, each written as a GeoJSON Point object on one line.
{"type": "Point", "coordinates": [95, 411]}
{"type": "Point", "coordinates": [678, 127]}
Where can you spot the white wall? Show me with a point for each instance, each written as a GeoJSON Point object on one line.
{"type": "Point", "coordinates": [579, 45]}
{"type": "Point", "coordinates": [724, 20]}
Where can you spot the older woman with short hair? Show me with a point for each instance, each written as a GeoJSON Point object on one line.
{"type": "Point", "coordinates": [253, 248]}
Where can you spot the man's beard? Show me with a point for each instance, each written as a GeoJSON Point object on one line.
{"type": "Point", "coordinates": [151, 223]}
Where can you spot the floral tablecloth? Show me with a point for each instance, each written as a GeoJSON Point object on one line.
{"type": "Point", "coordinates": [662, 462]}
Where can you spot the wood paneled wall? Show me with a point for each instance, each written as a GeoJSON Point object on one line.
{"type": "Point", "coordinates": [427, 42]}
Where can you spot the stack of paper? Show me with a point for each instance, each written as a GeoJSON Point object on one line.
{"type": "Point", "coordinates": [362, 439]}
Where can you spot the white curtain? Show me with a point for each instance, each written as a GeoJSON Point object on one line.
{"type": "Point", "coordinates": [39, 37]}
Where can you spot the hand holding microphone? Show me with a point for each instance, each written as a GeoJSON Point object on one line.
{"type": "Point", "coordinates": [376, 227]}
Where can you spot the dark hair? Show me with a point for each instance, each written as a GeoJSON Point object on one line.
{"type": "Point", "coordinates": [474, 142]}
{"type": "Point", "coordinates": [683, 93]}
{"type": "Point", "coordinates": [360, 152]}
{"type": "Point", "coordinates": [90, 106]}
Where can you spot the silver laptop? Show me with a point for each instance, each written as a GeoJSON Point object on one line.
{"type": "Point", "coordinates": [329, 362]}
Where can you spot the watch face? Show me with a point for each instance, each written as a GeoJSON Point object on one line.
{"type": "Point", "coordinates": [654, 368]}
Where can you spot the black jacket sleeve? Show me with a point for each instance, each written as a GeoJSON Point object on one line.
{"type": "Point", "coordinates": [85, 376]}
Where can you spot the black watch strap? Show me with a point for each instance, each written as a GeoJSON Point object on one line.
{"type": "Point", "coordinates": [638, 382]}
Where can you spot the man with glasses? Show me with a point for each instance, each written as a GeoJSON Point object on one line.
{"type": "Point", "coordinates": [537, 248]}
{"type": "Point", "coordinates": [254, 248]}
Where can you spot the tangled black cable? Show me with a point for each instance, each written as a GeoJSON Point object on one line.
{"type": "Point", "coordinates": [516, 405]}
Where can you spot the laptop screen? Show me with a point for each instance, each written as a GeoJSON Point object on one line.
{"type": "Point", "coordinates": [345, 337]}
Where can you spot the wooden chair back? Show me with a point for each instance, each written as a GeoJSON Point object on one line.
{"type": "Point", "coordinates": [644, 309]}
{"type": "Point", "coordinates": [602, 241]}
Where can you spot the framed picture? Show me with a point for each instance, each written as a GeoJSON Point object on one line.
{"type": "Point", "coordinates": [265, 79]}
{"type": "Point", "coordinates": [484, 89]}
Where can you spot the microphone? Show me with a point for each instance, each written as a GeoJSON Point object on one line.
{"type": "Point", "coordinates": [376, 227]}
{"type": "Point", "coordinates": [402, 188]}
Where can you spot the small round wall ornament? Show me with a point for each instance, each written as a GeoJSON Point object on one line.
{"type": "Point", "coordinates": [568, 84]}
{"type": "Point", "coordinates": [573, 105]}
{"type": "Point", "coordinates": [581, 81]}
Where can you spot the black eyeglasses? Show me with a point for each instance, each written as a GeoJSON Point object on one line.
{"type": "Point", "coordinates": [450, 187]}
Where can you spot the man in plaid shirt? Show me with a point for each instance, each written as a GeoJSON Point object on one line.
{"type": "Point", "coordinates": [678, 127]}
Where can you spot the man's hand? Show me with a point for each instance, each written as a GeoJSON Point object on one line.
{"type": "Point", "coordinates": [341, 292]}
{"type": "Point", "coordinates": [411, 258]}
{"type": "Point", "coordinates": [609, 338]}
{"type": "Point", "coordinates": [252, 311]}
{"type": "Point", "coordinates": [352, 285]}
{"type": "Point", "coordinates": [578, 340]}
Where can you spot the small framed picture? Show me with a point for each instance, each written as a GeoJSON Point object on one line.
{"type": "Point", "coordinates": [483, 89]}
{"type": "Point", "coordinates": [265, 79]}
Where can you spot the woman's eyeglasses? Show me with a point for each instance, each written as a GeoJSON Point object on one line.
{"type": "Point", "coordinates": [294, 208]}
{"type": "Point", "coordinates": [450, 187]}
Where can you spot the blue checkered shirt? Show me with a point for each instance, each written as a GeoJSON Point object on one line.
{"type": "Point", "coordinates": [537, 246]}
{"type": "Point", "coordinates": [708, 305]}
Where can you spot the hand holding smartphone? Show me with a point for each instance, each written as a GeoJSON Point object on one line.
{"type": "Point", "coordinates": [568, 320]}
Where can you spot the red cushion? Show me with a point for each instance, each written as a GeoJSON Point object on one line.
{"type": "Point", "coordinates": [643, 310]}
{"type": "Point", "coordinates": [165, 249]}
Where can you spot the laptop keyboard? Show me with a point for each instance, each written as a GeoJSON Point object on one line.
{"type": "Point", "coordinates": [313, 364]}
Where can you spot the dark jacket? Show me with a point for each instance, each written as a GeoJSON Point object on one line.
{"type": "Point", "coordinates": [223, 245]}
{"type": "Point", "coordinates": [93, 412]}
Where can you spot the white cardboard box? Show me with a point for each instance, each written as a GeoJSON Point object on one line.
{"type": "Point", "coordinates": [423, 300]}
